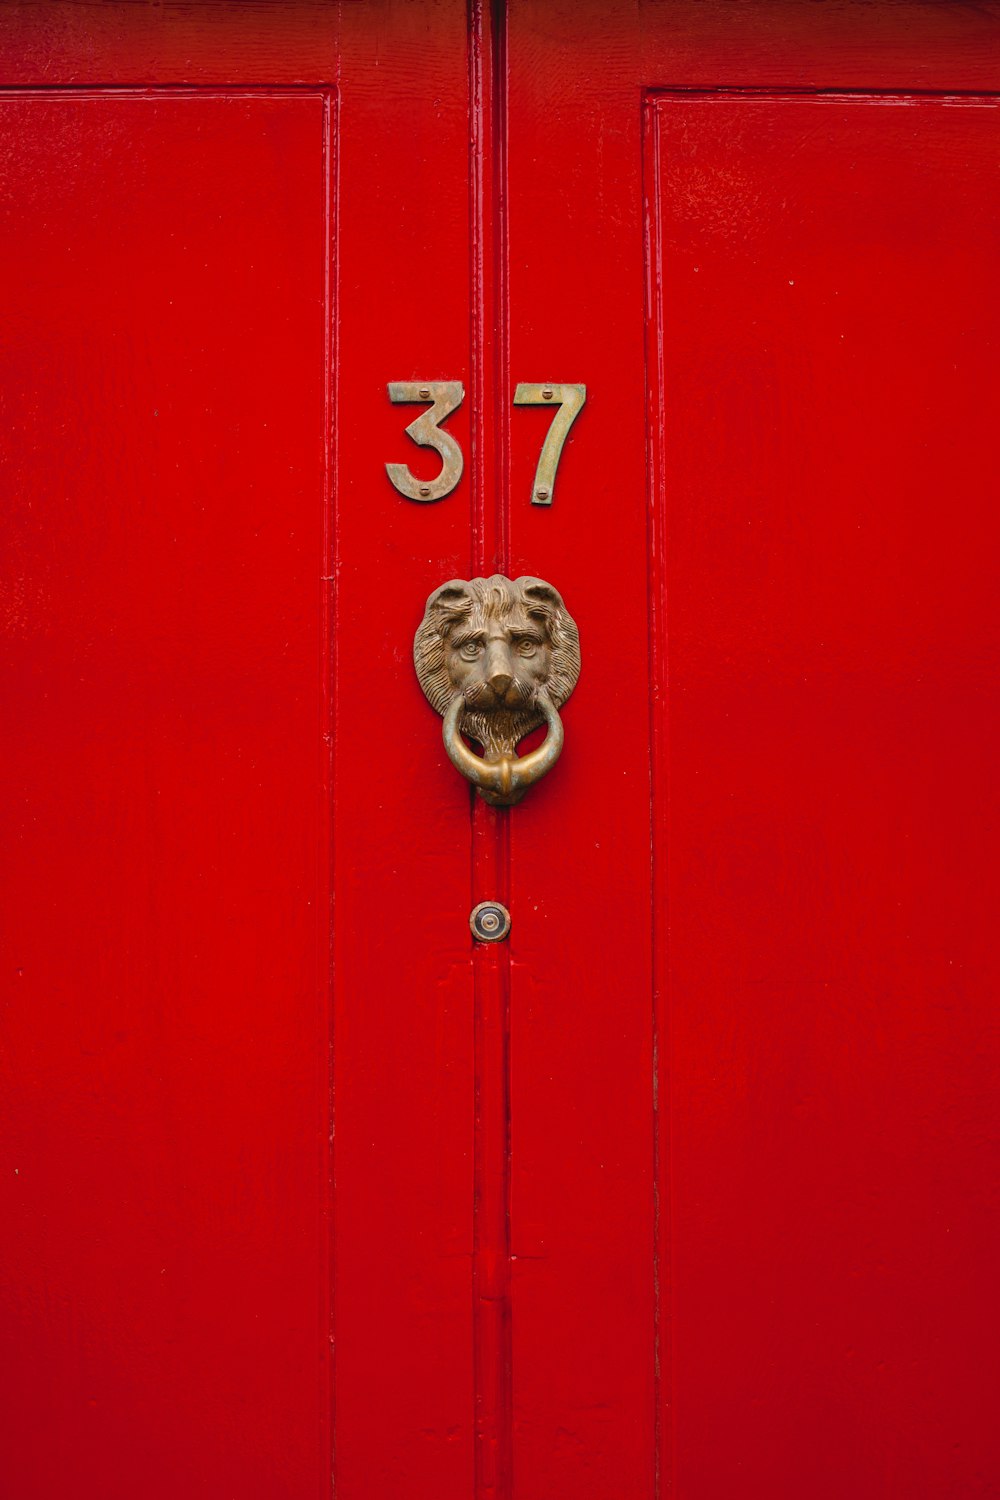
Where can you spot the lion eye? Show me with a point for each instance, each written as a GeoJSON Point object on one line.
{"type": "Point", "coordinates": [470, 650]}
{"type": "Point", "coordinates": [526, 646]}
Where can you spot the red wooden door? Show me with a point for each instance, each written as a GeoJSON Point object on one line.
{"type": "Point", "coordinates": [689, 1187]}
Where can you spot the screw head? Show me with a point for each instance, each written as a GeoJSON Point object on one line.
{"type": "Point", "coordinates": [547, 393]}
{"type": "Point", "coordinates": [490, 922]}
{"type": "Point", "coordinates": [541, 494]}
{"type": "Point", "coordinates": [424, 393]}
{"type": "Point", "coordinates": [425, 490]}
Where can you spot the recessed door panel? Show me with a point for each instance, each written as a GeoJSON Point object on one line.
{"type": "Point", "coordinates": [163, 453]}
{"type": "Point", "coordinates": [823, 357]}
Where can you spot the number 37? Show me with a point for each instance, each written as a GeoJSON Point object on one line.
{"type": "Point", "coordinates": [446, 396]}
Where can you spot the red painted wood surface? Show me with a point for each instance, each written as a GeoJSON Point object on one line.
{"type": "Point", "coordinates": [492, 1266]}
{"type": "Point", "coordinates": [687, 1190]}
{"type": "Point", "coordinates": [404, 1081]}
{"type": "Point", "coordinates": [163, 1259]}
{"type": "Point", "coordinates": [827, 321]}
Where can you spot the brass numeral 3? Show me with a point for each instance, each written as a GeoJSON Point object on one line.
{"type": "Point", "coordinates": [445, 397]}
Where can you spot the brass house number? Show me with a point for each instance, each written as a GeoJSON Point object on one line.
{"type": "Point", "coordinates": [444, 397]}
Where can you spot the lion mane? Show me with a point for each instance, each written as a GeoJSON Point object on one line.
{"type": "Point", "coordinates": [479, 599]}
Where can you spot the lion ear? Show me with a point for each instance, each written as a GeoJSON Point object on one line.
{"type": "Point", "coordinates": [542, 595]}
{"type": "Point", "coordinates": [449, 602]}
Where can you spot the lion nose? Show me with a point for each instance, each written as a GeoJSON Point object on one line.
{"type": "Point", "coordinates": [499, 667]}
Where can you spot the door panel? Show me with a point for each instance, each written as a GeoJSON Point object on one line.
{"type": "Point", "coordinates": [825, 397]}
{"type": "Point", "coordinates": [163, 1260]}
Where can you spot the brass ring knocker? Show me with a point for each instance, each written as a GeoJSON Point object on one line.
{"type": "Point", "coordinates": [498, 657]}
{"type": "Point", "coordinates": [503, 781]}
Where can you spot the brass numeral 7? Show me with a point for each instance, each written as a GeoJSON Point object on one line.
{"type": "Point", "coordinates": [568, 402]}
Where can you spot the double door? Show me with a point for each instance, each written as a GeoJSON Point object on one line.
{"type": "Point", "coordinates": [686, 1187]}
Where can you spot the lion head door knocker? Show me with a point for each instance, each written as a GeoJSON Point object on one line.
{"type": "Point", "coordinates": [498, 657]}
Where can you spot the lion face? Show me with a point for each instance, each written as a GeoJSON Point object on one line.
{"type": "Point", "coordinates": [496, 642]}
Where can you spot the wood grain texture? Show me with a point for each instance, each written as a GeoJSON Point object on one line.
{"type": "Point", "coordinates": [848, 44]}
